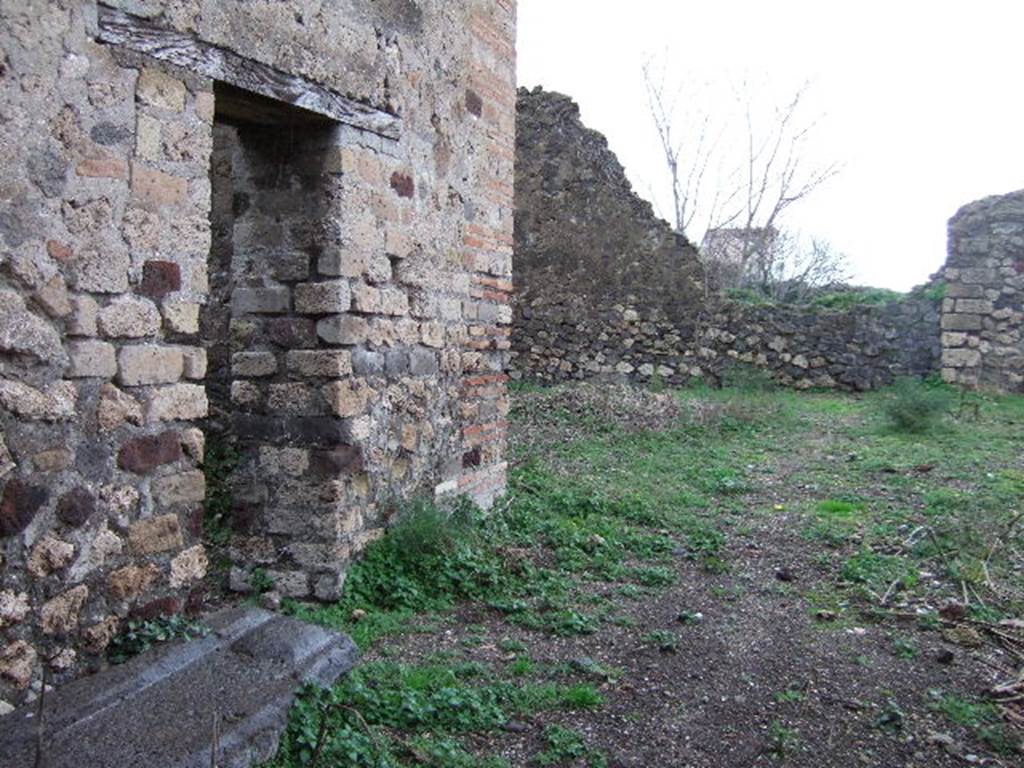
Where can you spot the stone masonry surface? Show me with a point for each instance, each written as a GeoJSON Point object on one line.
{"type": "Point", "coordinates": [983, 311]}
{"type": "Point", "coordinates": [180, 258]}
{"type": "Point", "coordinates": [604, 288]}
{"type": "Point", "coordinates": [580, 229]}
{"type": "Point", "coordinates": [856, 350]}
{"type": "Point", "coordinates": [157, 710]}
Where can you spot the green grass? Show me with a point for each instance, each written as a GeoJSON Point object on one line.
{"type": "Point", "coordinates": [357, 722]}
{"type": "Point", "coordinates": [783, 741]}
{"type": "Point", "coordinates": [967, 712]}
{"type": "Point", "coordinates": [917, 407]}
{"type": "Point", "coordinates": [566, 746]}
{"type": "Point", "coordinates": [220, 460]}
{"type": "Point", "coordinates": [596, 526]}
{"type": "Point", "coordinates": [791, 695]}
{"type": "Point", "coordinates": [856, 297]}
{"type": "Point", "coordinates": [662, 639]}
{"type": "Point", "coordinates": [905, 648]}
{"type": "Point", "coordinates": [982, 718]}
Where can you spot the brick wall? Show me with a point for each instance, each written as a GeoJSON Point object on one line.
{"type": "Point", "coordinates": [347, 288]}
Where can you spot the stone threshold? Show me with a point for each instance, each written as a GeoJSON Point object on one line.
{"type": "Point", "coordinates": [167, 708]}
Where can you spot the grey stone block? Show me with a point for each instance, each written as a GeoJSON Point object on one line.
{"type": "Point", "coordinates": [423, 362]}
{"type": "Point", "coordinates": [266, 301]}
{"type": "Point", "coordinates": [367, 363]}
{"type": "Point", "coordinates": [396, 362]}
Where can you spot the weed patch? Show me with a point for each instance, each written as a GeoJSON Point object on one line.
{"type": "Point", "coordinates": [565, 746]}
{"type": "Point", "coordinates": [917, 407]}
{"type": "Point", "coordinates": [384, 713]}
{"type": "Point", "coordinates": [139, 636]}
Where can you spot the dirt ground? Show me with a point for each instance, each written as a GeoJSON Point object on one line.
{"type": "Point", "coordinates": [741, 665]}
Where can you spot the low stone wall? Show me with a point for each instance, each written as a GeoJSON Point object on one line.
{"type": "Point", "coordinates": [983, 312]}
{"type": "Point", "coordinates": [859, 349]}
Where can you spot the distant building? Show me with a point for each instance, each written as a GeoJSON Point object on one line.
{"type": "Point", "coordinates": [728, 245]}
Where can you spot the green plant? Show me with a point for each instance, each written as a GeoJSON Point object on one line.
{"type": "Point", "coordinates": [355, 722]}
{"type": "Point", "coordinates": [139, 636]}
{"type": "Point", "coordinates": [582, 696]}
{"type": "Point", "coordinates": [855, 297]}
{"type": "Point", "coordinates": [662, 639]}
{"type": "Point", "coordinates": [915, 407]}
{"type": "Point", "coordinates": [432, 556]}
{"type": "Point", "coordinates": [878, 571]}
{"type": "Point", "coordinates": [219, 463]}
{"type": "Point", "coordinates": [749, 296]}
{"type": "Point", "coordinates": [936, 291]}
{"type": "Point", "coordinates": [260, 581]}
{"type": "Point", "coordinates": [747, 378]}
{"type": "Point", "coordinates": [521, 668]}
{"type": "Point", "coordinates": [967, 712]}
{"type": "Point", "coordinates": [843, 509]}
{"type": "Point", "coordinates": [890, 717]}
{"type": "Point", "coordinates": [654, 576]}
{"type": "Point", "coordinates": [1000, 739]}
{"type": "Point", "coordinates": [981, 716]}
{"type": "Point", "coordinates": [565, 745]}
{"type": "Point", "coordinates": [791, 695]}
{"type": "Point", "coordinates": [905, 648]}
{"type": "Point", "coordinates": [523, 386]}
{"type": "Point", "coordinates": [782, 740]}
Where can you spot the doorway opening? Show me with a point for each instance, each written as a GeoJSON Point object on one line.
{"type": "Point", "coordinates": [271, 220]}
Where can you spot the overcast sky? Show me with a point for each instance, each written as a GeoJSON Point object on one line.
{"type": "Point", "coordinates": [923, 101]}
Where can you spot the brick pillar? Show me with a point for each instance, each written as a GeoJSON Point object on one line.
{"type": "Point", "coordinates": [490, 101]}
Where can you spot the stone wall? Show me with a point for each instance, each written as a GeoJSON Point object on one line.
{"type": "Point", "coordinates": [580, 230]}
{"type": "Point", "coordinates": [604, 287]}
{"type": "Point", "coordinates": [983, 312]}
{"type": "Point", "coordinates": [858, 349]}
{"type": "Point", "coordinates": [337, 255]}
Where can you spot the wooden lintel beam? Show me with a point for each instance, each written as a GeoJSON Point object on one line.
{"type": "Point", "coordinates": [189, 52]}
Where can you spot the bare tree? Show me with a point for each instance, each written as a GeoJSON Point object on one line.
{"type": "Point", "coordinates": [734, 175]}
{"type": "Point", "coordinates": [690, 144]}
{"type": "Point", "coordinates": [789, 270]}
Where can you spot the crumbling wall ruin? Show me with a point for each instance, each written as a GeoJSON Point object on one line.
{"type": "Point", "coordinates": [983, 311]}
{"type": "Point", "coordinates": [580, 229]}
{"type": "Point", "coordinates": [293, 229]}
{"type": "Point", "coordinates": [605, 288]}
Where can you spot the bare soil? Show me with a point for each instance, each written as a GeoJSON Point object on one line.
{"type": "Point", "coordinates": [763, 677]}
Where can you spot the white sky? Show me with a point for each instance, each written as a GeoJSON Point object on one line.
{"type": "Point", "coordinates": [923, 101]}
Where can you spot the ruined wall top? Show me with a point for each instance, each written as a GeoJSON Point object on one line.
{"type": "Point", "coordinates": [580, 228]}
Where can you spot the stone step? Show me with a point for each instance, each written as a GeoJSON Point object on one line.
{"type": "Point", "coordinates": [162, 709]}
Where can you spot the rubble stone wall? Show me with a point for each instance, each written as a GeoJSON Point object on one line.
{"type": "Point", "coordinates": [604, 287]}
{"type": "Point", "coordinates": [336, 300]}
{"type": "Point", "coordinates": [857, 349]}
{"type": "Point", "coordinates": [983, 312]}
{"type": "Point", "coordinates": [580, 229]}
